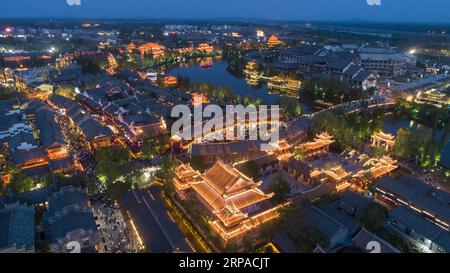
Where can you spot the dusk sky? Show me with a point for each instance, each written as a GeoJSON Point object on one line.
{"type": "Point", "coordinates": [437, 11]}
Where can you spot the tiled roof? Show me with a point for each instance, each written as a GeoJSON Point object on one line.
{"type": "Point", "coordinates": [17, 226]}
{"type": "Point", "coordinates": [49, 130]}
{"type": "Point", "coordinates": [419, 194]}
{"type": "Point", "coordinates": [67, 196]}
{"type": "Point", "coordinates": [422, 226]}
{"type": "Point", "coordinates": [72, 218]}
{"type": "Point", "coordinates": [363, 238]}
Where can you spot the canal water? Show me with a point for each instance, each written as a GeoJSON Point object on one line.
{"type": "Point", "coordinates": [218, 75]}
{"type": "Point", "coordinates": [392, 124]}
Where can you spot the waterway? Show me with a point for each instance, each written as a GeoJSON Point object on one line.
{"type": "Point", "coordinates": [216, 73]}
{"type": "Point", "coordinates": [391, 124]}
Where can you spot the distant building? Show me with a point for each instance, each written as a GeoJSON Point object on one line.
{"type": "Point", "coordinates": [154, 49]}
{"type": "Point", "coordinates": [297, 53]}
{"type": "Point", "coordinates": [287, 86]}
{"type": "Point", "coordinates": [385, 61]}
{"type": "Point", "coordinates": [205, 47]}
{"type": "Point", "coordinates": [341, 69]}
{"type": "Point", "coordinates": [274, 41]}
{"type": "Point", "coordinates": [296, 132]}
{"type": "Point", "coordinates": [53, 142]}
{"type": "Point", "coordinates": [170, 81]}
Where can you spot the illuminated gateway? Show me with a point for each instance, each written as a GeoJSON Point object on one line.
{"type": "Point", "coordinates": [237, 203]}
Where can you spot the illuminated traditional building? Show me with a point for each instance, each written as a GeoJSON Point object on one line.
{"type": "Point", "coordinates": [380, 138]}
{"type": "Point", "coordinates": [198, 98]}
{"type": "Point", "coordinates": [185, 50]}
{"type": "Point", "coordinates": [237, 203]}
{"type": "Point", "coordinates": [206, 48]}
{"type": "Point", "coordinates": [170, 81]}
{"type": "Point", "coordinates": [375, 168]}
{"type": "Point", "coordinates": [156, 50]}
{"type": "Point", "coordinates": [274, 41]}
{"type": "Point", "coordinates": [131, 47]}
{"type": "Point", "coordinates": [320, 145]}
{"type": "Point", "coordinates": [206, 62]}
{"type": "Point", "coordinates": [286, 85]}
{"type": "Point", "coordinates": [112, 64]}
{"type": "Point", "coordinates": [7, 76]}
{"type": "Point", "coordinates": [432, 97]}
{"type": "Point", "coordinates": [252, 74]}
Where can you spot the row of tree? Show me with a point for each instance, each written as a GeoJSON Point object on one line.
{"type": "Point", "coordinates": [352, 130]}
{"type": "Point", "coordinates": [334, 91]}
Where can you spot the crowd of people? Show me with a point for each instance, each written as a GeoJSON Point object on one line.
{"type": "Point", "coordinates": [116, 235]}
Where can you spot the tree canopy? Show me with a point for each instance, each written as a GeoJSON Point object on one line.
{"type": "Point", "coordinates": [110, 163]}
{"type": "Point", "coordinates": [20, 183]}
{"type": "Point", "coordinates": [250, 169]}
{"type": "Point", "coordinates": [410, 143]}
{"type": "Point", "coordinates": [280, 187]}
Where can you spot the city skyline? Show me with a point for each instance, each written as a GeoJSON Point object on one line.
{"type": "Point", "coordinates": [416, 11]}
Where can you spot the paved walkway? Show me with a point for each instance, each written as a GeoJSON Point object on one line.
{"type": "Point", "coordinates": [156, 228]}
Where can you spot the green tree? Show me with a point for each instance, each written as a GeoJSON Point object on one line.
{"type": "Point", "coordinates": [20, 183]}
{"type": "Point", "coordinates": [410, 144]}
{"type": "Point", "coordinates": [290, 106]}
{"type": "Point", "coordinates": [46, 180]}
{"type": "Point", "coordinates": [373, 217]}
{"type": "Point", "coordinates": [197, 163]}
{"type": "Point", "coordinates": [247, 243]}
{"type": "Point", "coordinates": [280, 187]}
{"type": "Point", "coordinates": [110, 163]}
{"type": "Point", "coordinates": [250, 169]}
{"type": "Point", "coordinates": [166, 171]}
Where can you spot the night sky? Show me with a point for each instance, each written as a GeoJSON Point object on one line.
{"type": "Point", "coordinates": [433, 11]}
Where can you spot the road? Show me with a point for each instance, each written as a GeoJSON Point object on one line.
{"type": "Point", "coordinates": [156, 228]}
